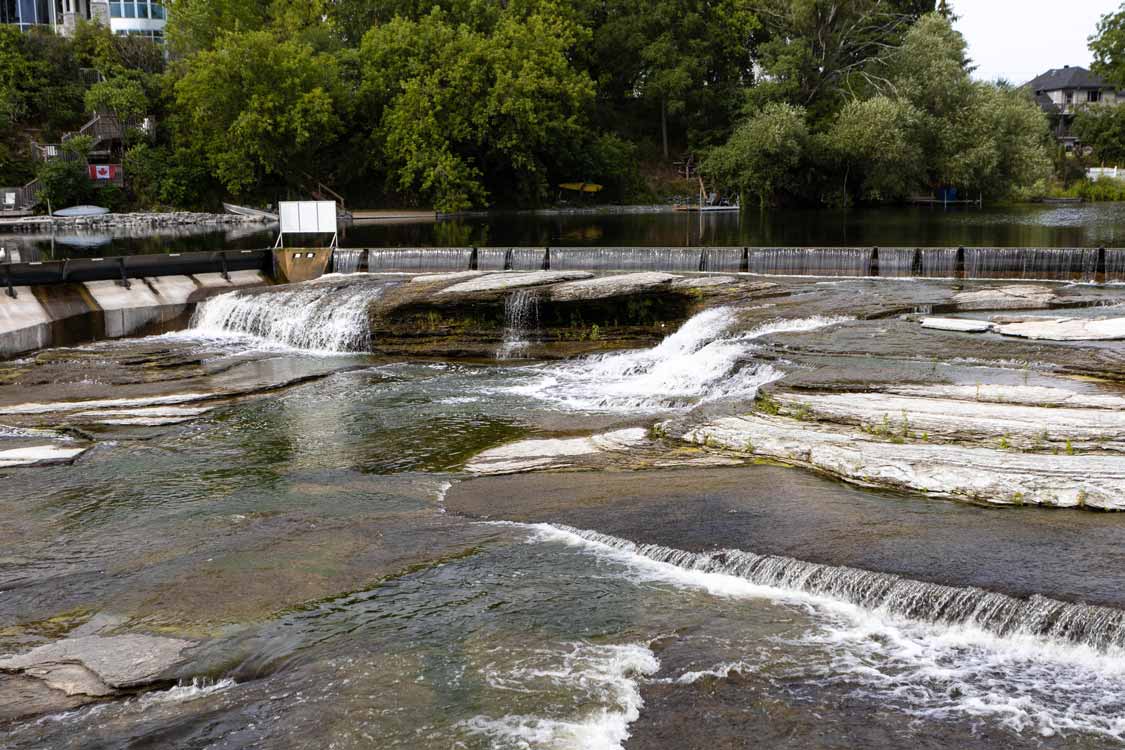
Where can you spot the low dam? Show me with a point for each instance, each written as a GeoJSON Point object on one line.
{"type": "Point", "coordinates": [126, 295]}
{"type": "Point", "coordinates": [1085, 265]}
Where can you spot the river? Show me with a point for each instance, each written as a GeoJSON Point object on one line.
{"type": "Point", "coordinates": [349, 585]}
{"type": "Point", "coordinates": [1089, 225]}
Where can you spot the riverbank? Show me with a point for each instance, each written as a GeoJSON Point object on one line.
{"type": "Point", "coordinates": [140, 221]}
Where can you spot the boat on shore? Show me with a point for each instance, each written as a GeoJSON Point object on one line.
{"type": "Point", "coordinates": [81, 211]}
{"type": "Point", "coordinates": [254, 213]}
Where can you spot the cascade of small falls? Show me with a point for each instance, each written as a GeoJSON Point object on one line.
{"type": "Point", "coordinates": [897, 262]}
{"type": "Point", "coordinates": [319, 317]}
{"type": "Point", "coordinates": [412, 259]}
{"type": "Point", "coordinates": [670, 259]}
{"type": "Point", "coordinates": [347, 261]}
{"type": "Point", "coordinates": [938, 262]}
{"type": "Point", "coordinates": [1050, 264]}
{"type": "Point", "coordinates": [1098, 628]}
{"type": "Point", "coordinates": [1115, 264]}
{"type": "Point", "coordinates": [811, 261]}
{"type": "Point", "coordinates": [521, 319]}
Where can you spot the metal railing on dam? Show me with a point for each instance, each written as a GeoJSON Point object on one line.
{"type": "Point", "coordinates": [125, 267]}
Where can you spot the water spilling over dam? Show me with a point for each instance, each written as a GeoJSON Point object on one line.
{"type": "Point", "coordinates": [1084, 265]}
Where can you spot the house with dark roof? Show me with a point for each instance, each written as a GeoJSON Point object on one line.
{"type": "Point", "coordinates": [1064, 92]}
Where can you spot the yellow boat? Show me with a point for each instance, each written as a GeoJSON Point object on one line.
{"type": "Point", "coordinates": [582, 187]}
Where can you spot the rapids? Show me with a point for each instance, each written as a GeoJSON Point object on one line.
{"type": "Point", "coordinates": [308, 524]}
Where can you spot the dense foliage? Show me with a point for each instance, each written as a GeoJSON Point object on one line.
{"type": "Point", "coordinates": [459, 104]}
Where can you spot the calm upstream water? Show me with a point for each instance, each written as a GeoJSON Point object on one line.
{"type": "Point", "coordinates": [1090, 225]}
{"type": "Point", "coordinates": [351, 588]}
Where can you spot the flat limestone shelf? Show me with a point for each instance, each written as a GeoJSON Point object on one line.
{"type": "Point", "coordinates": [977, 474]}
{"type": "Point", "coordinates": [940, 419]}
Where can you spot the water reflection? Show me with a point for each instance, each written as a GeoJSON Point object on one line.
{"type": "Point", "coordinates": [1089, 225]}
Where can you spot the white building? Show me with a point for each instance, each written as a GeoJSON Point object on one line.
{"type": "Point", "coordinates": [125, 17]}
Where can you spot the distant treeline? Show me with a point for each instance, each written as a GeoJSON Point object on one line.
{"type": "Point", "coordinates": [461, 104]}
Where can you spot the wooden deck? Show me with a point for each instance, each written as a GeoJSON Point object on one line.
{"type": "Point", "coordinates": [391, 216]}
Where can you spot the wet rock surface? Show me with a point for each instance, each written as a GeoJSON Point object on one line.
{"type": "Point", "coordinates": [318, 526]}
{"type": "Point", "coordinates": [82, 669]}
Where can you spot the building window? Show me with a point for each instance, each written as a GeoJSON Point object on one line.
{"type": "Point", "coordinates": [1093, 96]}
{"type": "Point", "coordinates": [1070, 97]}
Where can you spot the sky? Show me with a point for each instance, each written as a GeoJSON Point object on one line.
{"type": "Point", "coordinates": [1019, 39]}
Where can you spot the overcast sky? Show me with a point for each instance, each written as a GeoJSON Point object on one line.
{"type": "Point", "coordinates": [1019, 39]}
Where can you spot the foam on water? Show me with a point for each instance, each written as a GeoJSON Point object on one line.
{"type": "Point", "coordinates": [197, 688]}
{"type": "Point", "coordinates": [701, 362]}
{"type": "Point", "coordinates": [932, 651]}
{"type": "Point", "coordinates": [606, 676]}
{"type": "Point", "coordinates": [315, 317]}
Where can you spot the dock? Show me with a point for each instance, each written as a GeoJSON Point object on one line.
{"type": "Point", "coordinates": [392, 216]}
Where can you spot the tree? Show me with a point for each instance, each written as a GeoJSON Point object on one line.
{"type": "Point", "coordinates": [1108, 46]}
{"type": "Point", "coordinates": [762, 153]}
{"type": "Point", "coordinates": [65, 181]}
{"type": "Point", "coordinates": [1103, 130]}
{"type": "Point", "coordinates": [457, 109]}
{"type": "Point", "coordinates": [876, 143]}
{"type": "Point", "coordinates": [121, 97]}
{"type": "Point", "coordinates": [820, 53]}
{"type": "Point", "coordinates": [262, 111]}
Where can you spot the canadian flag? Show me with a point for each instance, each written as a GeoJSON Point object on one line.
{"type": "Point", "coordinates": [103, 171]}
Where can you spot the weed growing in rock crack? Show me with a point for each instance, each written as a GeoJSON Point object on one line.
{"type": "Point", "coordinates": [1004, 444]}
{"type": "Point", "coordinates": [749, 447]}
{"type": "Point", "coordinates": [1018, 499]}
{"type": "Point", "coordinates": [766, 404]}
{"type": "Point", "coordinates": [803, 413]}
{"type": "Point", "coordinates": [657, 432]}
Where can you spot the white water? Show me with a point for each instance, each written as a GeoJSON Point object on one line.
{"type": "Point", "coordinates": [521, 317]}
{"type": "Point", "coordinates": [703, 361]}
{"type": "Point", "coordinates": [1029, 676]}
{"type": "Point", "coordinates": [319, 317]}
{"type": "Point", "coordinates": [606, 676]}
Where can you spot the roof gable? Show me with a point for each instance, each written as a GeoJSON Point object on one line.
{"type": "Point", "coordinates": [1071, 77]}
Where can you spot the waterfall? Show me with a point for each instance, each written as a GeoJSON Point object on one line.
{"type": "Point", "coordinates": [521, 316]}
{"type": "Point", "coordinates": [723, 259]}
{"type": "Point", "coordinates": [347, 261]}
{"type": "Point", "coordinates": [939, 262]}
{"type": "Point", "coordinates": [897, 262]}
{"type": "Point", "coordinates": [705, 361]}
{"type": "Point", "coordinates": [670, 259]}
{"type": "Point", "coordinates": [418, 259]}
{"type": "Point", "coordinates": [811, 261]}
{"type": "Point", "coordinates": [319, 317]}
{"type": "Point", "coordinates": [1050, 264]}
{"type": "Point", "coordinates": [492, 258]}
{"type": "Point", "coordinates": [1098, 628]}
{"type": "Point", "coordinates": [1115, 264]}
{"type": "Point", "coordinates": [528, 258]}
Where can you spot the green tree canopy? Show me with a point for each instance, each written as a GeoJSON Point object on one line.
{"type": "Point", "coordinates": [456, 109]}
{"type": "Point", "coordinates": [1108, 46]}
{"type": "Point", "coordinates": [763, 152]}
{"type": "Point", "coordinates": [261, 110]}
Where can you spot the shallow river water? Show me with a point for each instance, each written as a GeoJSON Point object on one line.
{"type": "Point", "coordinates": [350, 586]}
